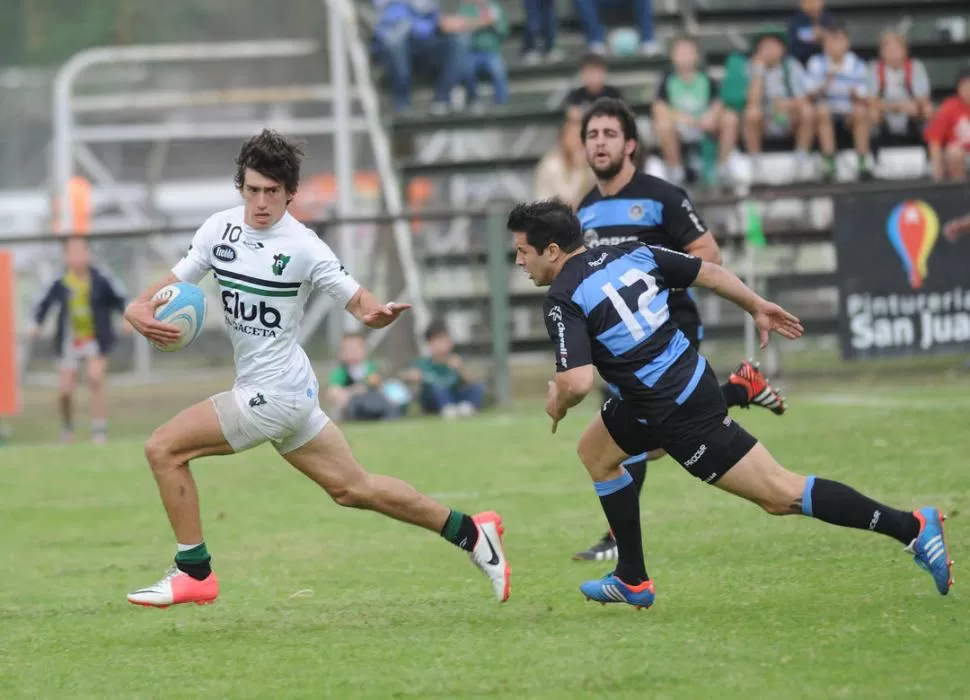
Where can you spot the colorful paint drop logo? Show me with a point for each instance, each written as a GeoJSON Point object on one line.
{"type": "Point", "coordinates": [913, 228]}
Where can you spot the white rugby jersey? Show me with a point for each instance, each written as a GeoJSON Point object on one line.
{"type": "Point", "coordinates": [264, 279]}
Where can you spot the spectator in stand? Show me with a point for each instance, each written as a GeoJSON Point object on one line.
{"type": "Point", "coordinates": [899, 92]}
{"type": "Point", "coordinates": [446, 388]}
{"type": "Point", "coordinates": [639, 11]}
{"type": "Point", "coordinates": [805, 29]}
{"type": "Point", "coordinates": [948, 134]}
{"type": "Point", "coordinates": [489, 25]}
{"type": "Point", "coordinates": [540, 19]}
{"type": "Point", "coordinates": [776, 104]}
{"type": "Point", "coordinates": [687, 111]}
{"type": "Point", "coordinates": [563, 172]}
{"type": "Point", "coordinates": [415, 34]}
{"type": "Point", "coordinates": [838, 83]}
{"type": "Point", "coordinates": [593, 85]}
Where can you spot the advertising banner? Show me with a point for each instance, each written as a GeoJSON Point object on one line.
{"type": "Point", "coordinates": [904, 285]}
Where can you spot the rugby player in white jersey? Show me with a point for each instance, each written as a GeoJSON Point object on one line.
{"type": "Point", "coordinates": [266, 263]}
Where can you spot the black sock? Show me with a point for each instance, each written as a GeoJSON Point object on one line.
{"type": "Point", "coordinates": [839, 504]}
{"type": "Point", "coordinates": [637, 467]}
{"type": "Point", "coordinates": [460, 530]}
{"type": "Point", "coordinates": [621, 504]}
{"type": "Point", "coordinates": [734, 394]}
{"type": "Point", "coordinates": [199, 570]}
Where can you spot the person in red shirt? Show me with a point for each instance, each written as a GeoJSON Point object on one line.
{"type": "Point", "coordinates": [948, 134]}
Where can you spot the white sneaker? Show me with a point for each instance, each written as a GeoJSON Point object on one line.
{"type": "Point", "coordinates": [177, 587]}
{"type": "Point", "coordinates": [466, 408]}
{"type": "Point", "coordinates": [532, 58]}
{"type": "Point", "coordinates": [650, 48]}
{"type": "Point", "coordinates": [450, 411]}
{"type": "Point", "coordinates": [489, 553]}
{"type": "Point", "coordinates": [556, 56]}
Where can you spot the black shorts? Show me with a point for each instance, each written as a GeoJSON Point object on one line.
{"type": "Point", "coordinates": [699, 434]}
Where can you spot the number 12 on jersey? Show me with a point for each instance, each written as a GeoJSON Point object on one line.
{"type": "Point", "coordinates": [654, 319]}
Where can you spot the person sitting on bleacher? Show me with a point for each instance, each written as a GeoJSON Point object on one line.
{"type": "Point", "coordinates": [776, 103]}
{"type": "Point", "coordinates": [563, 172]}
{"type": "Point", "coordinates": [593, 85]}
{"type": "Point", "coordinates": [838, 82]}
{"type": "Point", "coordinates": [948, 133]}
{"type": "Point", "coordinates": [687, 111]}
{"type": "Point", "coordinates": [899, 93]}
{"type": "Point", "coordinates": [806, 28]}
{"type": "Point", "coordinates": [413, 33]}
{"type": "Point", "coordinates": [490, 26]}
{"type": "Point", "coordinates": [540, 19]}
{"type": "Point", "coordinates": [639, 11]}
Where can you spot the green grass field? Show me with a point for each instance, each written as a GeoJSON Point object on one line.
{"type": "Point", "coordinates": [322, 602]}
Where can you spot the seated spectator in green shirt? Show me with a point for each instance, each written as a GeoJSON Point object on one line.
{"type": "Point", "coordinates": [446, 388]}
{"type": "Point", "coordinates": [489, 26]}
{"type": "Point", "coordinates": [354, 391]}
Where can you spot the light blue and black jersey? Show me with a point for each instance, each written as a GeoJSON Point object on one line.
{"type": "Point", "coordinates": [652, 211]}
{"type": "Point", "coordinates": [609, 307]}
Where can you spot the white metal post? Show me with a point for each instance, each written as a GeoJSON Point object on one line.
{"type": "Point", "coordinates": [343, 153]}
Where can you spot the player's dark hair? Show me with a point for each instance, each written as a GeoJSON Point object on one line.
{"type": "Point", "coordinates": [271, 155]}
{"type": "Point", "coordinates": [435, 328]}
{"type": "Point", "coordinates": [547, 221]}
{"type": "Point", "coordinates": [619, 110]}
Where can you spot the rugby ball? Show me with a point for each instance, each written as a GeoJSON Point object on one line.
{"type": "Point", "coordinates": [184, 308]}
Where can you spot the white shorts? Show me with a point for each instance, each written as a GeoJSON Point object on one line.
{"type": "Point", "coordinates": [250, 416]}
{"type": "Point", "coordinates": [73, 354]}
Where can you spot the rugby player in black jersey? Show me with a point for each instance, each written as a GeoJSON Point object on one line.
{"type": "Point", "coordinates": [607, 308]}
{"type": "Point", "coordinates": [627, 205]}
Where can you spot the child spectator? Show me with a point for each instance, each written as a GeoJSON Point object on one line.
{"type": "Point", "coordinates": [489, 26]}
{"type": "Point", "coordinates": [446, 388]}
{"type": "Point", "coordinates": [838, 82]}
{"type": "Point", "coordinates": [540, 19]}
{"type": "Point", "coordinates": [687, 110]}
{"type": "Point", "coordinates": [563, 172]}
{"type": "Point", "coordinates": [805, 29]}
{"type": "Point", "coordinates": [354, 391]}
{"type": "Point", "coordinates": [899, 92]}
{"type": "Point", "coordinates": [776, 104]}
{"type": "Point", "coordinates": [593, 85]}
{"type": "Point", "coordinates": [948, 134]}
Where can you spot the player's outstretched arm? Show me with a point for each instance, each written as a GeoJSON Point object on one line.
{"type": "Point", "coordinates": [365, 307]}
{"type": "Point", "coordinates": [767, 316]}
{"type": "Point", "coordinates": [140, 313]}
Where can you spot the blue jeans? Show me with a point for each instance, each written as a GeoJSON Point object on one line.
{"type": "Point", "coordinates": [588, 13]}
{"type": "Point", "coordinates": [434, 398]}
{"type": "Point", "coordinates": [540, 19]}
{"type": "Point", "coordinates": [491, 65]}
{"type": "Point", "coordinates": [447, 54]}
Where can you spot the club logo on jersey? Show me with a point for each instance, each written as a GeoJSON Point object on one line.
{"type": "Point", "coordinates": [240, 314]}
{"type": "Point", "coordinates": [257, 400]}
{"type": "Point", "coordinates": [636, 212]}
{"type": "Point", "coordinates": [223, 252]}
{"type": "Point", "coordinates": [280, 262]}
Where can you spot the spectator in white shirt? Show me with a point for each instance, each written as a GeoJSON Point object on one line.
{"type": "Point", "coordinates": [838, 82]}
{"type": "Point", "coordinates": [899, 91]}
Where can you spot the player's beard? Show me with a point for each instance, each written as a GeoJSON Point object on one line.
{"type": "Point", "coordinates": [610, 171]}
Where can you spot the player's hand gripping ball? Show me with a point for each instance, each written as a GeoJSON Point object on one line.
{"type": "Point", "coordinates": [184, 307]}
